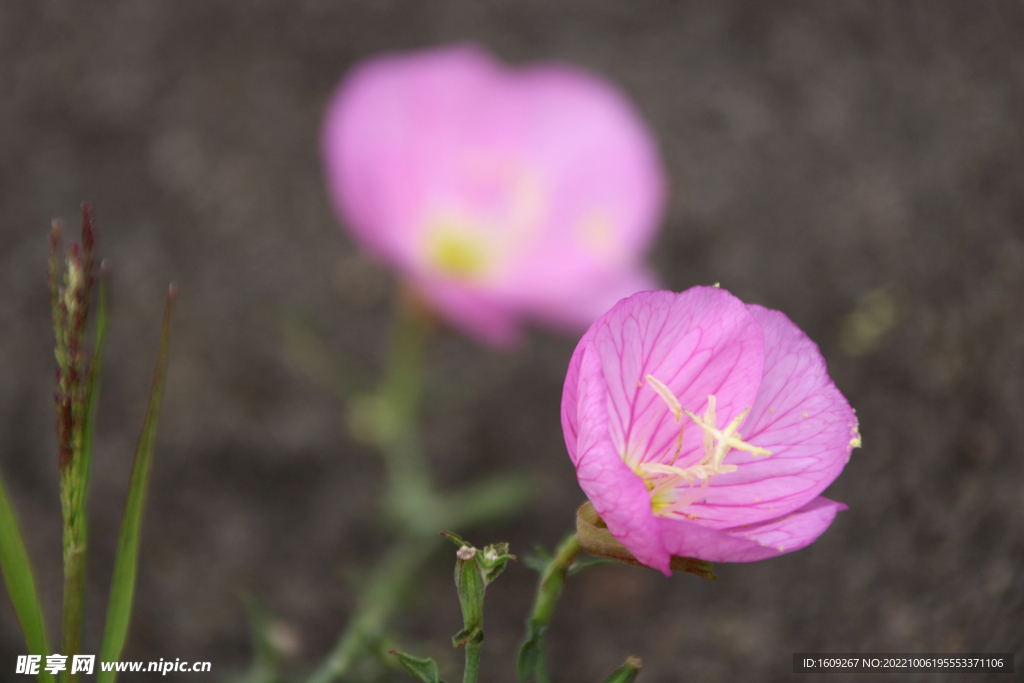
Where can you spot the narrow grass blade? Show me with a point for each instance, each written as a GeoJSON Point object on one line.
{"type": "Point", "coordinates": [21, 585]}
{"type": "Point", "coordinates": [92, 390]}
{"type": "Point", "coordinates": [122, 589]}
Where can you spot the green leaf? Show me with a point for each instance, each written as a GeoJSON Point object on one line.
{"type": "Point", "coordinates": [530, 651]}
{"type": "Point", "coordinates": [626, 673]}
{"type": "Point", "coordinates": [538, 560]}
{"type": "Point", "coordinates": [493, 498]}
{"type": "Point", "coordinates": [265, 656]}
{"type": "Point", "coordinates": [122, 589]}
{"type": "Point", "coordinates": [21, 586]}
{"type": "Point", "coordinates": [423, 669]}
{"type": "Point", "coordinates": [580, 565]}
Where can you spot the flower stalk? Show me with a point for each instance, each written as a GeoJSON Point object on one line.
{"type": "Point", "coordinates": [549, 588]}
{"type": "Point", "coordinates": [389, 419]}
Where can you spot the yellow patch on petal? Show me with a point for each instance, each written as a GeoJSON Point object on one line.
{"type": "Point", "coordinates": [457, 252]}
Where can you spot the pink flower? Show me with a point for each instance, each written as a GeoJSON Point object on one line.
{"type": "Point", "coordinates": [500, 194]}
{"type": "Point", "coordinates": [706, 428]}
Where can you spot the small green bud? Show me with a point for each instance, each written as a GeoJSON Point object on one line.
{"type": "Point", "coordinates": [474, 570]}
{"type": "Point", "coordinates": [626, 673]}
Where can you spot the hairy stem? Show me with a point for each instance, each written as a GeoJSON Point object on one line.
{"type": "Point", "coordinates": [473, 651]}
{"type": "Point", "coordinates": [553, 578]}
{"type": "Point", "coordinates": [549, 588]}
{"type": "Point", "coordinates": [409, 498]}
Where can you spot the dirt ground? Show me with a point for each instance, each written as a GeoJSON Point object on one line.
{"type": "Point", "coordinates": [858, 165]}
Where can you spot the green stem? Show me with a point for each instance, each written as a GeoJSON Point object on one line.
{"type": "Point", "coordinates": [542, 668]}
{"type": "Point", "coordinates": [380, 598]}
{"type": "Point", "coordinates": [552, 580]}
{"type": "Point", "coordinates": [403, 377]}
{"type": "Point", "coordinates": [549, 588]}
{"type": "Point", "coordinates": [74, 600]}
{"type": "Point", "coordinates": [473, 651]}
{"type": "Point", "coordinates": [409, 499]}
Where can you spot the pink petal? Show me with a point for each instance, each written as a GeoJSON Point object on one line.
{"type": "Point", "coordinates": [700, 342]}
{"type": "Point", "coordinates": [751, 542]}
{"type": "Point", "coordinates": [570, 396]}
{"type": "Point", "coordinates": [571, 310]}
{"type": "Point", "coordinates": [618, 494]}
{"type": "Point", "coordinates": [801, 417]}
{"type": "Point", "coordinates": [549, 170]}
{"type": "Point", "coordinates": [378, 157]}
{"type": "Point", "coordinates": [600, 170]}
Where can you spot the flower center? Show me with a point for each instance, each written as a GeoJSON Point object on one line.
{"type": "Point", "coordinates": [672, 487]}
{"type": "Point", "coordinates": [492, 214]}
{"type": "Point", "coordinates": [457, 253]}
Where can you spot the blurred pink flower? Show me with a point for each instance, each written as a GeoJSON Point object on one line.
{"type": "Point", "coordinates": [500, 194]}
{"type": "Point", "coordinates": [657, 394]}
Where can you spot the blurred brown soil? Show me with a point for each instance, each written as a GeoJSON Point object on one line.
{"type": "Point", "coordinates": [858, 165]}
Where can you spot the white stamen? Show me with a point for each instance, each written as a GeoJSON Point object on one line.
{"type": "Point", "coordinates": [666, 395]}
{"type": "Point", "coordinates": [718, 443]}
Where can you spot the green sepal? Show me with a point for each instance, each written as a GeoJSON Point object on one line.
{"type": "Point", "coordinates": [598, 541]}
{"type": "Point", "coordinates": [468, 636]}
{"type": "Point", "coordinates": [470, 586]}
{"type": "Point", "coordinates": [492, 561]}
{"type": "Point", "coordinates": [626, 673]}
{"type": "Point", "coordinates": [454, 538]}
{"type": "Point", "coordinates": [423, 669]}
